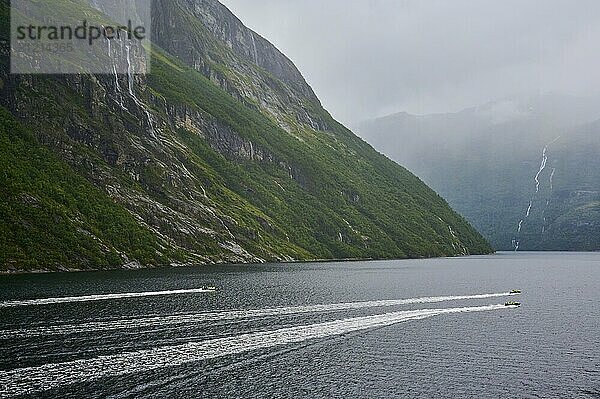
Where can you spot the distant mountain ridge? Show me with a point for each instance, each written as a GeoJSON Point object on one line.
{"type": "Point", "coordinates": [485, 160]}
{"type": "Point", "coordinates": [222, 154]}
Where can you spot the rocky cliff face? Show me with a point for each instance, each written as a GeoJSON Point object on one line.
{"type": "Point", "coordinates": [229, 30]}
{"type": "Point", "coordinates": [211, 39]}
{"type": "Point", "coordinates": [222, 154]}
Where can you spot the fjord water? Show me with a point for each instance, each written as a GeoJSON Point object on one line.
{"type": "Point", "coordinates": [362, 329]}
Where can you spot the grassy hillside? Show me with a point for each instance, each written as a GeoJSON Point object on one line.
{"type": "Point", "coordinates": [51, 217]}
{"type": "Point", "coordinates": [397, 211]}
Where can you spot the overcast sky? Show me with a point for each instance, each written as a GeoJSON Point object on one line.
{"type": "Point", "coordinates": [368, 58]}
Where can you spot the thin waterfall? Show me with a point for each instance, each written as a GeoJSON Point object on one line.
{"type": "Point", "coordinates": [516, 242]}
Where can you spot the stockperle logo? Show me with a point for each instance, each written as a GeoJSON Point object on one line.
{"type": "Point", "coordinates": [80, 36]}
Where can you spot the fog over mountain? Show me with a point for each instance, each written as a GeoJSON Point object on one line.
{"type": "Point", "coordinates": [372, 58]}
{"type": "Point", "coordinates": [467, 95]}
{"type": "Point", "coordinates": [523, 170]}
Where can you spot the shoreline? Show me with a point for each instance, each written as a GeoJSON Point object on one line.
{"type": "Point", "coordinates": [225, 264]}
{"type": "Point", "coordinates": [4, 273]}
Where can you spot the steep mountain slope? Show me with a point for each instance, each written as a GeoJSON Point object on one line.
{"type": "Point", "coordinates": [222, 154]}
{"type": "Point", "coordinates": [50, 215]}
{"type": "Point", "coordinates": [484, 161]}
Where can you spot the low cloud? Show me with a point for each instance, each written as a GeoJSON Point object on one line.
{"type": "Point", "coordinates": [367, 58]}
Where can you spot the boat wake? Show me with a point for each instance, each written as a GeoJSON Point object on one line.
{"type": "Point", "coordinates": [177, 319]}
{"type": "Point", "coordinates": [103, 297]}
{"type": "Point", "coordinates": [26, 381]}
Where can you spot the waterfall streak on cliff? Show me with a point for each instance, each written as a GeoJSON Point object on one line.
{"type": "Point", "coordinates": [254, 48]}
{"type": "Point", "coordinates": [543, 164]}
{"type": "Point", "coordinates": [542, 167]}
{"type": "Point", "coordinates": [118, 93]}
{"type": "Point", "coordinates": [130, 84]}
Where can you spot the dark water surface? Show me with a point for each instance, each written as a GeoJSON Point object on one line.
{"type": "Point", "coordinates": [261, 334]}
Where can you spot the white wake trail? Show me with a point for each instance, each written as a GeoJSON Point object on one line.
{"type": "Point", "coordinates": [178, 319]}
{"type": "Point", "coordinates": [29, 380]}
{"type": "Point", "coordinates": [102, 297]}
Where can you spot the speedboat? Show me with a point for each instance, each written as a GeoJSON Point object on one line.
{"type": "Point", "coordinates": [515, 292]}
{"type": "Point", "coordinates": [512, 304]}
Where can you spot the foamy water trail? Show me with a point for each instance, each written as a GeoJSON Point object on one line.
{"type": "Point", "coordinates": [103, 297]}
{"type": "Point", "coordinates": [26, 381]}
{"type": "Point", "coordinates": [177, 319]}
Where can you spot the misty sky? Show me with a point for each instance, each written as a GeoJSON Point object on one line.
{"type": "Point", "coordinates": [367, 58]}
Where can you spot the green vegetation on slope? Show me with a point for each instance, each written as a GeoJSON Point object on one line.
{"type": "Point", "coordinates": [396, 214]}
{"type": "Point", "coordinates": [52, 217]}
